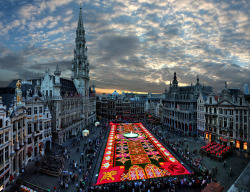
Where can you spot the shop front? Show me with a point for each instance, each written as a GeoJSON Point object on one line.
{"type": "Point", "coordinates": [210, 136]}
{"type": "Point", "coordinates": [245, 146]}
{"type": "Point", "coordinates": [242, 145]}
{"type": "Point", "coordinates": [223, 141]}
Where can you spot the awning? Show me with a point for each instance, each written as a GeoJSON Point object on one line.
{"type": "Point", "coordinates": [41, 144]}
{"type": "Point", "coordinates": [30, 149]}
{"type": "Point", "coordinates": [225, 140]}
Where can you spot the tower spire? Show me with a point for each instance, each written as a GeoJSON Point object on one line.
{"type": "Point", "coordinates": [80, 64]}
{"type": "Point", "coordinates": [80, 21]}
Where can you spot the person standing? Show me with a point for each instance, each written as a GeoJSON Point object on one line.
{"type": "Point", "coordinates": [80, 170]}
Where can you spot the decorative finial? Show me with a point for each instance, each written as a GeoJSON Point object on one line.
{"type": "Point", "coordinates": [198, 79]}
{"type": "Point", "coordinates": [80, 5]}
{"type": "Point", "coordinates": [225, 84]}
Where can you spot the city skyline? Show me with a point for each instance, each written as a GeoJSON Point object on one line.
{"type": "Point", "coordinates": [134, 46]}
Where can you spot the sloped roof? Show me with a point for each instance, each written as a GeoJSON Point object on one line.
{"type": "Point", "coordinates": [67, 86]}
{"type": "Point", "coordinates": [8, 99]}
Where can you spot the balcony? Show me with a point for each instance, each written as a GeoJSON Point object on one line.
{"type": "Point", "coordinates": [224, 129]}
{"type": "Point", "coordinates": [36, 133]}
{"type": "Point", "coordinates": [53, 97]}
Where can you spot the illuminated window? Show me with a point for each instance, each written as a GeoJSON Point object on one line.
{"type": "Point", "coordinates": [238, 144]}
{"type": "Point", "coordinates": [245, 146]}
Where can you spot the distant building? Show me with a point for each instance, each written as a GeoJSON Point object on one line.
{"type": "Point", "coordinates": [116, 106]}
{"type": "Point", "coordinates": [180, 106]}
{"type": "Point", "coordinates": [154, 106]}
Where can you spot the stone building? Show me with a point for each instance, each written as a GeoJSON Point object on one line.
{"type": "Point", "coordinates": [154, 106]}
{"type": "Point", "coordinates": [28, 119]}
{"type": "Point", "coordinates": [39, 134]}
{"type": "Point", "coordinates": [116, 106]}
{"type": "Point", "coordinates": [227, 118]}
{"type": "Point", "coordinates": [180, 106]}
{"type": "Point", "coordinates": [72, 103]}
{"type": "Point", "coordinates": [5, 132]}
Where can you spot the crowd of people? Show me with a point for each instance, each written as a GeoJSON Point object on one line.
{"type": "Point", "coordinates": [80, 172]}
{"type": "Point", "coordinates": [82, 176]}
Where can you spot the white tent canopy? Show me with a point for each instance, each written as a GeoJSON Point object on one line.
{"type": "Point", "coordinates": [85, 132]}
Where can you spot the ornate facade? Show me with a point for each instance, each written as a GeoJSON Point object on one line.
{"type": "Point", "coordinates": [180, 106]}
{"type": "Point", "coordinates": [26, 127]}
{"type": "Point", "coordinates": [39, 134]}
{"type": "Point", "coordinates": [227, 118]}
{"type": "Point", "coordinates": [5, 132]}
{"type": "Point", "coordinates": [71, 102]}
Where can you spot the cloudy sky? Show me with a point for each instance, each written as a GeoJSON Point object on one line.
{"type": "Point", "coordinates": [133, 45]}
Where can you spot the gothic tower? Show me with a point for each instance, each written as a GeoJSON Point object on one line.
{"type": "Point", "coordinates": [175, 82]}
{"type": "Point", "coordinates": [80, 65]}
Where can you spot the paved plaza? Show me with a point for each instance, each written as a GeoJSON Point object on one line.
{"type": "Point", "coordinates": [237, 162]}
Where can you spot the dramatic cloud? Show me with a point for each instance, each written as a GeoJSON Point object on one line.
{"type": "Point", "coordinates": [133, 45]}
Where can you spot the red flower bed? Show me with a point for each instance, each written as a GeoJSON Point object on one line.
{"type": "Point", "coordinates": [136, 158]}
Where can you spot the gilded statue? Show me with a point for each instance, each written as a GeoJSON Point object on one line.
{"type": "Point", "coordinates": [18, 84]}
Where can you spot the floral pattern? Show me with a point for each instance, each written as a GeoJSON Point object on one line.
{"type": "Point", "coordinates": [132, 153]}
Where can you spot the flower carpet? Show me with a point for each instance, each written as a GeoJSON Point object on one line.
{"type": "Point", "coordinates": [144, 157]}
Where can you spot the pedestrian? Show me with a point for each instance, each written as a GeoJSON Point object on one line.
{"type": "Point", "coordinates": [216, 169]}
{"type": "Point", "coordinates": [66, 185]}
{"type": "Point", "coordinates": [80, 170]}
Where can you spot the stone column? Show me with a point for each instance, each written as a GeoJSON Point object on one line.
{"type": "Point", "coordinates": [17, 163]}
{"type": "Point", "coordinates": [17, 141]}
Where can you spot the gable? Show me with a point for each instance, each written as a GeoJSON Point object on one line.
{"type": "Point", "coordinates": [36, 99]}
{"type": "Point", "coordinates": [225, 102]}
